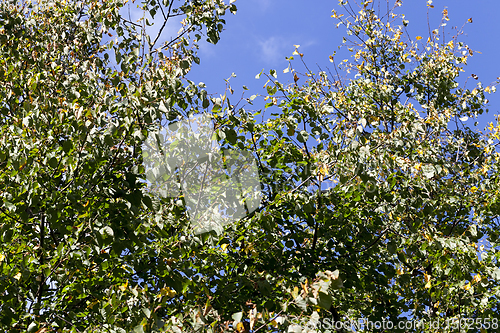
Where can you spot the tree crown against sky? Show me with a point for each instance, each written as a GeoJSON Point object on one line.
{"type": "Point", "coordinates": [376, 191]}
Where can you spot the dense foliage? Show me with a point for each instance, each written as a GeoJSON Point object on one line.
{"type": "Point", "coordinates": [379, 199]}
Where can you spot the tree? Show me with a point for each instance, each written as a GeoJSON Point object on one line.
{"type": "Point", "coordinates": [80, 86]}
{"type": "Point", "coordinates": [376, 193]}
{"type": "Point", "coordinates": [411, 188]}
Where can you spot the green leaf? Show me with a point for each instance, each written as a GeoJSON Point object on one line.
{"type": "Point", "coordinates": [53, 162]}
{"type": "Point", "coordinates": [496, 274]}
{"type": "Point", "coordinates": [336, 280]}
{"type": "Point", "coordinates": [139, 329]}
{"type": "Point", "coordinates": [237, 316]}
{"type": "Point", "coordinates": [67, 146]}
{"type": "Point", "coordinates": [391, 247]}
{"type": "Point", "coordinates": [32, 327]}
{"type": "Point", "coordinates": [162, 107]}
{"type": "Point", "coordinates": [11, 207]}
{"type": "Point", "coordinates": [107, 231]}
{"type": "Point", "coordinates": [302, 136]}
{"type": "Point", "coordinates": [325, 301]}
{"type": "Point", "coordinates": [301, 303]}
{"type": "Point", "coordinates": [231, 135]}
{"type": "Point", "coordinates": [206, 103]}
{"type": "Point", "coordinates": [147, 312]}
{"type": "Point", "coordinates": [428, 171]}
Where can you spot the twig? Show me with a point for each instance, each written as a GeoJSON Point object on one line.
{"type": "Point", "coordinates": [267, 323]}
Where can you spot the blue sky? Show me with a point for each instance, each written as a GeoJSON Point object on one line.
{"type": "Point", "coordinates": [263, 33]}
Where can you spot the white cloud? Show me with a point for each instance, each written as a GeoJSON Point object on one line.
{"type": "Point", "coordinates": [272, 50]}
{"type": "Point", "coordinates": [264, 4]}
{"type": "Point", "coordinates": [207, 49]}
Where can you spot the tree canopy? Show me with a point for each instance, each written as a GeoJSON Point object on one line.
{"type": "Point", "coordinates": [378, 201]}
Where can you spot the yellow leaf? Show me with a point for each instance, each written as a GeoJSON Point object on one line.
{"type": "Point", "coordinates": [473, 189]}
{"type": "Point", "coordinates": [240, 327]}
{"type": "Point", "coordinates": [295, 292]}
{"type": "Point", "coordinates": [304, 286]}
{"type": "Point", "coordinates": [249, 247]}
{"type": "Point", "coordinates": [224, 247]}
{"type": "Point", "coordinates": [2, 257]}
{"type": "Point", "coordinates": [419, 38]}
{"type": "Point", "coordinates": [22, 166]}
{"type": "Point", "coordinates": [427, 278]}
{"type": "Point", "coordinates": [336, 15]}
{"type": "Point", "coordinates": [477, 278]}
{"type": "Point", "coordinates": [123, 287]}
{"type": "Point", "coordinates": [167, 292]}
{"type": "Point", "coordinates": [17, 276]}
{"type": "Point", "coordinates": [445, 14]}
{"type": "Point", "coordinates": [467, 286]}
